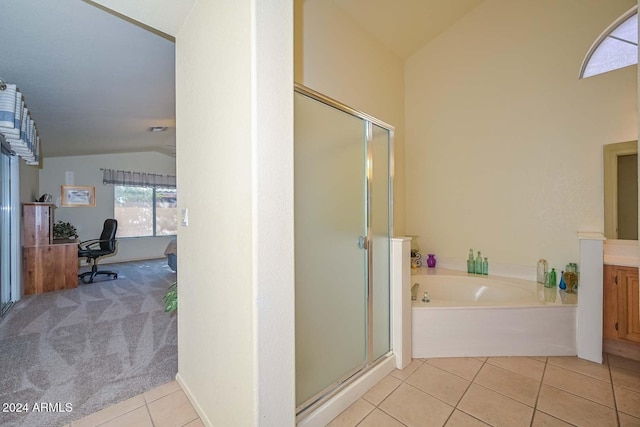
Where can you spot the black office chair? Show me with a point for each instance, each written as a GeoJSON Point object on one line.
{"type": "Point", "coordinates": [94, 249]}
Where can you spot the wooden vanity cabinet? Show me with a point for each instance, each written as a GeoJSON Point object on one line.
{"type": "Point", "coordinates": [621, 311]}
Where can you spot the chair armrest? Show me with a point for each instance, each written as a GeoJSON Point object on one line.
{"type": "Point", "coordinates": [87, 244]}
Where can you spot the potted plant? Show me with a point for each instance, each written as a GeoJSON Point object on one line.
{"type": "Point", "coordinates": [64, 230]}
{"type": "Point", "coordinates": [171, 298]}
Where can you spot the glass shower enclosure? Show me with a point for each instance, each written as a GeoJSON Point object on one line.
{"type": "Point", "coordinates": [343, 224]}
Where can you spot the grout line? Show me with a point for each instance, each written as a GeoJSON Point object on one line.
{"type": "Point", "coordinates": [535, 404]}
{"type": "Point", "coordinates": [146, 405]}
{"type": "Point", "coordinates": [613, 392]}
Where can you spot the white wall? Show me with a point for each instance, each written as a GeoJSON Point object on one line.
{"type": "Point", "coordinates": [234, 77]}
{"type": "Point", "coordinates": [88, 221]}
{"type": "Point", "coordinates": [346, 63]}
{"type": "Point", "coordinates": [504, 142]}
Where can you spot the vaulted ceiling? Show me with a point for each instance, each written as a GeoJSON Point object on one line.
{"type": "Point", "coordinates": [95, 81]}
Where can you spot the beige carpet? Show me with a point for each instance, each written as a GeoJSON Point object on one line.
{"type": "Point", "coordinates": [88, 347]}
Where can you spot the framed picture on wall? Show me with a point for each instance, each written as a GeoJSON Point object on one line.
{"type": "Point", "coordinates": [78, 196]}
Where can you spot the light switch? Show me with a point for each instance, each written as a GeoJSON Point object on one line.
{"type": "Point", "coordinates": [185, 217]}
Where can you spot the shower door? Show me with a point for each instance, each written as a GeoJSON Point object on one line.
{"type": "Point", "coordinates": [342, 231]}
{"type": "Point", "coordinates": [5, 232]}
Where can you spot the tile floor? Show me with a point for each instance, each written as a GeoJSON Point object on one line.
{"type": "Point", "coordinates": [502, 391]}
{"type": "Point", "coordinates": [494, 391]}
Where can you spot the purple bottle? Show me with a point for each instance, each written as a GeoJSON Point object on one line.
{"type": "Point", "coordinates": [431, 260]}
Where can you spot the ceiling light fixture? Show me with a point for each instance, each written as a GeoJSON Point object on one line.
{"type": "Point", "coordinates": [157, 128]}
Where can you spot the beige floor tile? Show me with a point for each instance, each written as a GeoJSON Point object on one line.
{"type": "Point", "coordinates": [581, 366]}
{"type": "Point", "coordinates": [110, 412]}
{"type": "Point", "coordinates": [378, 418]}
{"type": "Point", "coordinates": [460, 419]}
{"type": "Point", "coordinates": [410, 369]}
{"type": "Point", "coordinates": [628, 420]}
{"type": "Point", "coordinates": [438, 383]}
{"type": "Point", "coordinates": [161, 391]}
{"type": "Point", "coordinates": [416, 408]}
{"type": "Point", "coordinates": [136, 418]}
{"type": "Point", "coordinates": [580, 385]}
{"type": "Point", "coordinates": [527, 366]}
{"type": "Point", "coordinates": [381, 390]}
{"type": "Point", "coordinates": [494, 408]}
{"type": "Point", "coordinates": [542, 359]}
{"type": "Point", "coordinates": [172, 410]}
{"type": "Point", "coordinates": [624, 363]}
{"type": "Point", "coordinates": [540, 419]}
{"type": "Point", "coordinates": [195, 423]}
{"type": "Point", "coordinates": [482, 359]}
{"type": "Point", "coordinates": [353, 414]}
{"type": "Point", "coordinates": [515, 386]}
{"type": "Point", "coordinates": [626, 378]}
{"type": "Point", "coordinates": [574, 409]}
{"type": "Point", "coordinates": [628, 401]}
{"type": "Point", "coordinates": [465, 367]}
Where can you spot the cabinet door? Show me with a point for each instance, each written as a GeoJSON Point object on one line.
{"type": "Point", "coordinates": [628, 304]}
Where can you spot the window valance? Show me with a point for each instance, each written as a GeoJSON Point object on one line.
{"type": "Point", "coordinates": [137, 179]}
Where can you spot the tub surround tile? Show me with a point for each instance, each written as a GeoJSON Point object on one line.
{"type": "Point", "coordinates": [438, 383]}
{"type": "Point", "coordinates": [414, 407]}
{"type": "Point", "coordinates": [378, 418]}
{"type": "Point", "coordinates": [510, 384]}
{"type": "Point", "coordinates": [580, 385]}
{"type": "Point", "coordinates": [465, 367]}
{"type": "Point", "coordinates": [527, 366]}
{"type": "Point", "coordinates": [628, 401]}
{"type": "Point", "coordinates": [628, 420]}
{"type": "Point", "coordinates": [626, 378]}
{"type": "Point", "coordinates": [581, 366]}
{"type": "Point", "coordinates": [406, 372]}
{"type": "Point", "coordinates": [574, 409]}
{"type": "Point", "coordinates": [494, 408]}
{"type": "Point", "coordinates": [540, 419]}
{"type": "Point", "coordinates": [351, 416]}
{"type": "Point", "coordinates": [460, 419]}
{"type": "Point", "coordinates": [381, 390]}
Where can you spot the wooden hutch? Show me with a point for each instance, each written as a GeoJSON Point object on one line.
{"type": "Point", "coordinates": [47, 265]}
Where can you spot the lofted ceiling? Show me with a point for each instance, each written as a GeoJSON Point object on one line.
{"type": "Point", "coordinates": [94, 81]}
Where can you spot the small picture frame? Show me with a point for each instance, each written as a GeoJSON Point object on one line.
{"type": "Point", "coordinates": [78, 196]}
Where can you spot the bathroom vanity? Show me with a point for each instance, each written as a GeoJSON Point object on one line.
{"type": "Point", "coordinates": [621, 307]}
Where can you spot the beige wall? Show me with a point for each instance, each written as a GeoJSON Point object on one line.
{"type": "Point", "coordinates": [504, 142]}
{"type": "Point", "coordinates": [344, 62]}
{"type": "Point", "coordinates": [89, 221]}
{"type": "Point", "coordinates": [234, 75]}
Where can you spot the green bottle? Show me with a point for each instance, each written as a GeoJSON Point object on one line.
{"type": "Point", "coordinates": [485, 266]}
{"type": "Point", "coordinates": [478, 266]}
{"type": "Point", "coordinates": [471, 264]}
{"type": "Point", "coordinates": [551, 282]}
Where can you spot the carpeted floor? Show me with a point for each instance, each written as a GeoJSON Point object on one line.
{"type": "Point", "coordinates": [89, 347]}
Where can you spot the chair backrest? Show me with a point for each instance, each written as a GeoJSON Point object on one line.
{"type": "Point", "coordinates": [108, 236]}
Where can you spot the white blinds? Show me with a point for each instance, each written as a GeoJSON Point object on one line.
{"type": "Point", "coordinates": [137, 179]}
{"type": "Point", "coordinates": [17, 126]}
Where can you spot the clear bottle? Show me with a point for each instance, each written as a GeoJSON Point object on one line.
{"type": "Point", "coordinates": [470, 262]}
{"type": "Point", "coordinates": [478, 264]}
{"type": "Point", "coordinates": [543, 268]}
{"type": "Point", "coordinates": [485, 266]}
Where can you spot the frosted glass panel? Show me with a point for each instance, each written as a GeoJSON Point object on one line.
{"type": "Point", "coordinates": [380, 233]}
{"type": "Point", "coordinates": [330, 267]}
{"type": "Point", "coordinates": [611, 55]}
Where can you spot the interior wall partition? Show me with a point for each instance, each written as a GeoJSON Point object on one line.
{"type": "Point", "coordinates": [6, 294]}
{"type": "Point", "coordinates": [343, 225]}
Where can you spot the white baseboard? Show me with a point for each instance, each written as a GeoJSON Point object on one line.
{"type": "Point", "coordinates": [194, 402]}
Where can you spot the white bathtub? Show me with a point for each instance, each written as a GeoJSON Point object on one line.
{"type": "Point", "coordinates": [470, 315]}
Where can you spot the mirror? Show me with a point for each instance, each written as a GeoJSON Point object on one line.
{"type": "Point", "coordinates": [621, 190]}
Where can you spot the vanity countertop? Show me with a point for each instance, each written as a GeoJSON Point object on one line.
{"type": "Point", "coordinates": [621, 252]}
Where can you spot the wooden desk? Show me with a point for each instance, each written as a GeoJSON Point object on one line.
{"type": "Point", "coordinates": [47, 265]}
{"type": "Point", "coordinates": [50, 267]}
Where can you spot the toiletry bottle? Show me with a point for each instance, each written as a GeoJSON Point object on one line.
{"type": "Point", "coordinates": [478, 264]}
{"type": "Point", "coordinates": [470, 262]}
{"type": "Point", "coordinates": [552, 278]}
{"type": "Point", "coordinates": [485, 266]}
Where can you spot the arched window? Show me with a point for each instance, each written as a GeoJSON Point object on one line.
{"type": "Point", "coordinates": [617, 46]}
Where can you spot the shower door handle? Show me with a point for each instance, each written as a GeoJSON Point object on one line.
{"type": "Point", "coordinates": [363, 242]}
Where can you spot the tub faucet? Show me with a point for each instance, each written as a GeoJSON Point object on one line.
{"type": "Point", "coordinates": [414, 291]}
